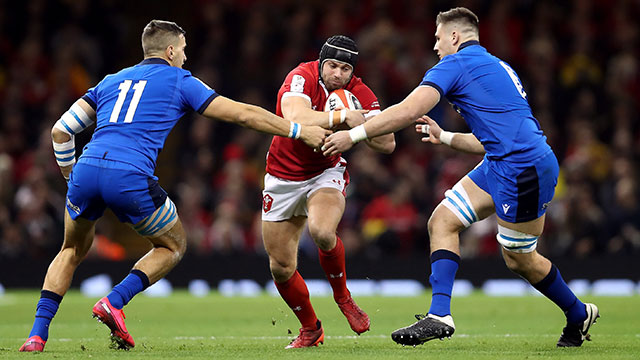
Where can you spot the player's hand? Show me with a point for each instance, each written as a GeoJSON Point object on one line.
{"type": "Point", "coordinates": [337, 143]}
{"type": "Point", "coordinates": [355, 117]}
{"type": "Point", "coordinates": [313, 136]}
{"type": "Point", "coordinates": [427, 126]}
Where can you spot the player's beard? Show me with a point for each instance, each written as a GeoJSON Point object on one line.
{"type": "Point", "coordinates": [334, 84]}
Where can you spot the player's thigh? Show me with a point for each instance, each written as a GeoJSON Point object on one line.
{"type": "Point", "coordinates": [281, 239]}
{"type": "Point", "coordinates": [325, 208]}
{"type": "Point", "coordinates": [465, 203]}
{"type": "Point", "coordinates": [326, 201]}
{"type": "Point", "coordinates": [78, 233]}
{"type": "Point", "coordinates": [522, 191]}
{"type": "Point", "coordinates": [533, 227]}
{"type": "Point", "coordinates": [283, 199]}
{"type": "Point", "coordinates": [174, 238]}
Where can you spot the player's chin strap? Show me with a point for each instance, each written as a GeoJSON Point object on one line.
{"type": "Point", "coordinates": [72, 122]}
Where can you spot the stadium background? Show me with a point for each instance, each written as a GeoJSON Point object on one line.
{"type": "Point", "coordinates": [578, 61]}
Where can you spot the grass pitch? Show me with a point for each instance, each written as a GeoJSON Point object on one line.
{"type": "Point", "coordinates": [259, 328]}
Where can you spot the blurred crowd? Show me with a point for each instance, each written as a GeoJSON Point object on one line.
{"type": "Point", "coordinates": [578, 61]}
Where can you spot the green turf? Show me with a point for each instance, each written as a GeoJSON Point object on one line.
{"type": "Point", "coordinates": [259, 328]}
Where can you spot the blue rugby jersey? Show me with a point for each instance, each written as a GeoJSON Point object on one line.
{"type": "Point", "coordinates": [136, 109]}
{"type": "Point", "coordinates": [489, 95]}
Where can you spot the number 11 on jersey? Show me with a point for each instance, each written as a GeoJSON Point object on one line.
{"type": "Point", "coordinates": [124, 87]}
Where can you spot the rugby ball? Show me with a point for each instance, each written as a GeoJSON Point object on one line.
{"type": "Point", "coordinates": [342, 99]}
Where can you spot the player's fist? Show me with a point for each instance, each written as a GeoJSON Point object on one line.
{"type": "Point", "coordinates": [355, 117]}
{"type": "Point", "coordinates": [313, 136]}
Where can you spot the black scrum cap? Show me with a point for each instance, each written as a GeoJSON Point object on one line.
{"type": "Point", "coordinates": [340, 48]}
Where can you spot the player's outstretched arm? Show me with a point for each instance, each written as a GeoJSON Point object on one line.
{"type": "Point", "coordinates": [73, 121]}
{"type": "Point", "coordinates": [459, 141]}
{"type": "Point", "coordinates": [257, 118]}
{"type": "Point", "coordinates": [298, 109]}
{"type": "Point", "coordinates": [421, 100]}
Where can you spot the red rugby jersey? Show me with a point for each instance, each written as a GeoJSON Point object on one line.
{"type": "Point", "coordinates": [291, 159]}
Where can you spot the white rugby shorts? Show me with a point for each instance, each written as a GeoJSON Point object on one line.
{"type": "Point", "coordinates": [283, 199]}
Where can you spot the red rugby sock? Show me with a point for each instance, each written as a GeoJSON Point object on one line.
{"type": "Point", "coordinates": [295, 293]}
{"type": "Point", "coordinates": [332, 262]}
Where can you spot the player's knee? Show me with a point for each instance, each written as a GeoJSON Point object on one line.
{"type": "Point", "coordinates": [512, 263]}
{"type": "Point", "coordinates": [178, 241]}
{"type": "Point", "coordinates": [282, 270]}
{"type": "Point", "coordinates": [323, 237]}
{"type": "Point", "coordinates": [439, 223]}
{"type": "Point", "coordinates": [180, 247]}
{"type": "Point", "coordinates": [74, 254]}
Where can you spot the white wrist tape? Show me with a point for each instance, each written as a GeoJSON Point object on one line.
{"type": "Point", "coordinates": [332, 119]}
{"type": "Point", "coordinates": [73, 120]}
{"type": "Point", "coordinates": [358, 134]}
{"type": "Point", "coordinates": [294, 131]}
{"type": "Point", "coordinates": [65, 153]}
{"type": "Point", "coordinates": [446, 137]}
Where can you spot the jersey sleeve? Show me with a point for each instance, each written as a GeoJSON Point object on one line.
{"type": "Point", "coordinates": [196, 94]}
{"type": "Point", "coordinates": [367, 99]}
{"type": "Point", "coordinates": [91, 97]}
{"type": "Point", "coordinates": [299, 83]}
{"type": "Point", "coordinates": [443, 76]}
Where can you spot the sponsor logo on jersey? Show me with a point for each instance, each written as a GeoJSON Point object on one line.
{"type": "Point", "coordinates": [267, 201]}
{"type": "Point", "coordinates": [73, 207]}
{"type": "Point", "coordinates": [505, 207]}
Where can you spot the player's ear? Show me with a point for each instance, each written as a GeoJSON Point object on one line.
{"type": "Point", "coordinates": [455, 37]}
{"type": "Point", "coordinates": [169, 52]}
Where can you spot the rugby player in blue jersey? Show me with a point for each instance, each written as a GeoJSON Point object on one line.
{"type": "Point", "coordinates": [134, 110]}
{"type": "Point", "coordinates": [516, 179]}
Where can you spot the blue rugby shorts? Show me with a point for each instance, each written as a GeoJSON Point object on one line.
{"type": "Point", "coordinates": [96, 184]}
{"type": "Point", "coordinates": [521, 191]}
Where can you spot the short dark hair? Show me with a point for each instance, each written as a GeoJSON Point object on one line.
{"type": "Point", "coordinates": [458, 14]}
{"type": "Point", "coordinates": [158, 34]}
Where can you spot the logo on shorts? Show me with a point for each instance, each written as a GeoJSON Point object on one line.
{"type": "Point", "coordinates": [546, 205]}
{"type": "Point", "coordinates": [73, 207]}
{"type": "Point", "coordinates": [505, 207]}
{"type": "Point", "coordinates": [267, 201]}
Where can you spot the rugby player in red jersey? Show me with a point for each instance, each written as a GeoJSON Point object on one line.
{"type": "Point", "coordinates": [304, 187]}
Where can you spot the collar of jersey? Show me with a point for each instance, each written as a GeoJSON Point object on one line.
{"type": "Point", "coordinates": [156, 61]}
{"type": "Point", "coordinates": [468, 43]}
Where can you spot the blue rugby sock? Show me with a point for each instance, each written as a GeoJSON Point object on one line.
{"type": "Point", "coordinates": [122, 293]}
{"type": "Point", "coordinates": [444, 265]}
{"type": "Point", "coordinates": [554, 287]}
{"type": "Point", "coordinates": [45, 311]}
